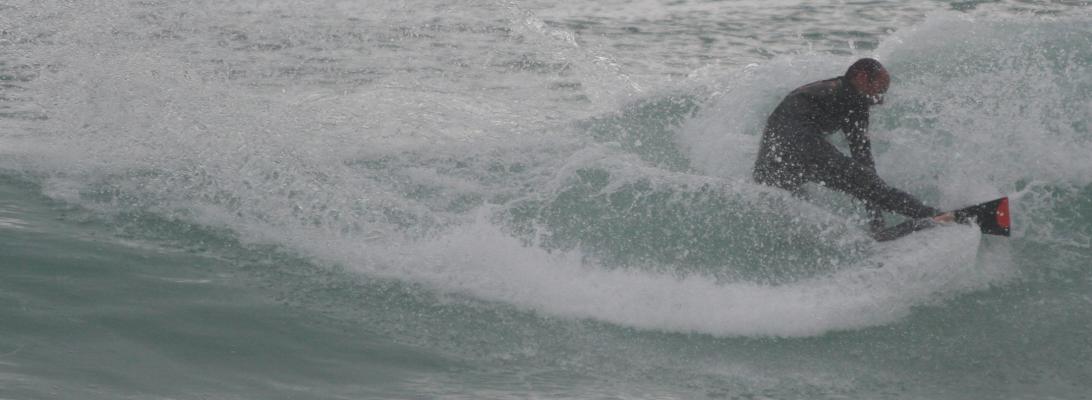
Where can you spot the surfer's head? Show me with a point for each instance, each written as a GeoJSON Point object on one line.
{"type": "Point", "coordinates": [869, 78]}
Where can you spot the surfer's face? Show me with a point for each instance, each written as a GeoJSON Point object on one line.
{"type": "Point", "coordinates": [873, 86]}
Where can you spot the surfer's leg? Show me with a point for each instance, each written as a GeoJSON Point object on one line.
{"type": "Point", "coordinates": [779, 163]}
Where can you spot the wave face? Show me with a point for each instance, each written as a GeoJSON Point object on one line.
{"type": "Point", "coordinates": [434, 196]}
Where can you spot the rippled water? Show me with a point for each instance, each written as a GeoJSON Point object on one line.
{"type": "Point", "coordinates": [491, 199]}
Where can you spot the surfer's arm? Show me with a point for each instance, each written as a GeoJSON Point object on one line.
{"type": "Point", "coordinates": [860, 147]}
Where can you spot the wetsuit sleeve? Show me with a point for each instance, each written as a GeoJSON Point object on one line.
{"type": "Point", "coordinates": [860, 147]}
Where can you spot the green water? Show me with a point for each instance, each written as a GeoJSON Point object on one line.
{"type": "Point", "coordinates": [501, 200]}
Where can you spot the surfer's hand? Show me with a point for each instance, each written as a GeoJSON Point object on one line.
{"type": "Point", "coordinates": [945, 218]}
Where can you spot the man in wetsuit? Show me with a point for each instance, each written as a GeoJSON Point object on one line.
{"type": "Point", "coordinates": [794, 149]}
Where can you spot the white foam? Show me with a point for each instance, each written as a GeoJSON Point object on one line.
{"type": "Point", "coordinates": [482, 261]}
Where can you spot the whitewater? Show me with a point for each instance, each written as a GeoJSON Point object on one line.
{"type": "Point", "coordinates": [502, 199]}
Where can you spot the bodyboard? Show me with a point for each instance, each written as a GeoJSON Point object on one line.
{"type": "Point", "coordinates": [992, 217]}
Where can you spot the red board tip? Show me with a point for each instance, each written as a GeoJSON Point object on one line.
{"type": "Point", "coordinates": [1003, 219]}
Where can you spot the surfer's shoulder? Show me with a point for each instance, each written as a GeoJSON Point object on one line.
{"type": "Point", "coordinates": [825, 87]}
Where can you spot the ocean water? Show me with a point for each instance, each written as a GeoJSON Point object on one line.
{"type": "Point", "coordinates": [531, 199]}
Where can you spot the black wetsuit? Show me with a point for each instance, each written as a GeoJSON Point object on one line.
{"type": "Point", "coordinates": [794, 149]}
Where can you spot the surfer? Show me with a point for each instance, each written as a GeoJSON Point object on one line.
{"type": "Point", "coordinates": [794, 150]}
